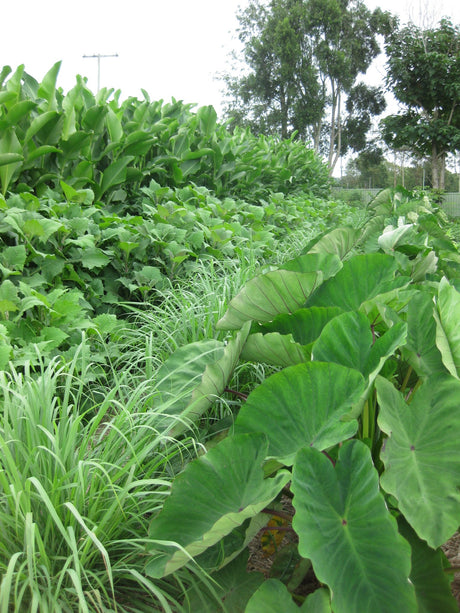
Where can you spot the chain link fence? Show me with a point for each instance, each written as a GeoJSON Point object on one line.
{"type": "Point", "coordinates": [450, 203]}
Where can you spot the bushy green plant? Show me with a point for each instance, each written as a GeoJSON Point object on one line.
{"type": "Point", "coordinates": [361, 419]}
{"type": "Point", "coordinates": [114, 148]}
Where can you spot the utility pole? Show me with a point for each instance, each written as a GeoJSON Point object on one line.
{"type": "Point", "coordinates": [98, 57]}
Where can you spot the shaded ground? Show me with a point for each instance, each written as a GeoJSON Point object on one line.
{"type": "Point", "coordinates": [452, 551]}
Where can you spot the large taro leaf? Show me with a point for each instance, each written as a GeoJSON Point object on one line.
{"type": "Point", "coordinates": [329, 264]}
{"type": "Point", "coordinates": [348, 340]}
{"type": "Point", "coordinates": [228, 548]}
{"type": "Point", "coordinates": [233, 587]}
{"type": "Point", "coordinates": [274, 597]}
{"type": "Point", "coordinates": [432, 587]}
{"type": "Point", "coordinates": [347, 532]}
{"type": "Point", "coordinates": [420, 350]}
{"type": "Point", "coordinates": [448, 326]}
{"type": "Point", "coordinates": [268, 295]}
{"type": "Point", "coordinates": [213, 495]}
{"type": "Point", "coordinates": [362, 277]}
{"type": "Point", "coordinates": [305, 325]}
{"type": "Point", "coordinates": [302, 405]}
{"type": "Point", "coordinates": [194, 376]}
{"type": "Point", "coordinates": [422, 463]}
{"type": "Point", "coordinates": [274, 348]}
{"type": "Point", "coordinates": [340, 242]}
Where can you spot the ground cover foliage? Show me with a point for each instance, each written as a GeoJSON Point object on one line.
{"type": "Point", "coordinates": [179, 355]}
{"type": "Point", "coordinates": [125, 229]}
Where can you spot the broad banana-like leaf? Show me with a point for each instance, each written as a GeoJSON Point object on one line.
{"type": "Point", "coordinates": [114, 174]}
{"type": "Point", "coordinates": [422, 463]}
{"type": "Point", "coordinates": [448, 326]}
{"type": "Point", "coordinates": [275, 349]}
{"type": "Point", "coordinates": [432, 587]}
{"type": "Point", "coordinates": [274, 597]}
{"type": "Point", "coordinates": [362, 277]}
{"type": "Point", "coordinates": [346, 530]}
{"type": "Point", "coordinates": [420, 349]}
{"type": "Point", "coordinates": [302, 405]}
{"type": "Point", "coordinates": [348, 340]}
{"type": "Point", "coordinates": [212, 496]}
{"type": "Point", "coordinates": [9, 144]}
{"type": "Point", "coordinates": [233, 587]}
{"type": "Point", "coordinates": [268, 295]}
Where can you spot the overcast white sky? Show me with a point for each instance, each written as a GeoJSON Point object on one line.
{"type": "Point", "coordinates": [170, 48]}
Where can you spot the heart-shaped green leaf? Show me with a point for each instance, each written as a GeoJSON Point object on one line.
{"type": "Point", "coordinates": [347, 532]}
{"type": "Point", "coordinates": [302, 405]}
{"type": "Point", "coordinates": [422, 463]}
{"type": "Point", "coordinates": [362, 277]}
{"type": "Point", "coordinates": [274, 597]}
{"type": "Point", "coordinates": [268, 295]}
{"type": "Point", "coordinates": [214, 494]}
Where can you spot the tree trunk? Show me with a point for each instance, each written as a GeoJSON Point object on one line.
{"type": "Point", "coordinates": [438, 167]}
{"type": "Point", "coordinates": [284, 122]}
{"type": "Point", "coordinates": [336, 135]}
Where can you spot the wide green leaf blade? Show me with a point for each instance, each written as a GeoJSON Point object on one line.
{"type": "Point", "coordinates": [195, 375]}
{"type": "Point", "coordinates": [340, 241]}
{"type": "Point", "coordinates": [9, 144]}
{"type": "Point", "coordinates": [235, 585]}
{"type": "Point", "coordinates": [212, 496]}
{"type": "Point", "coordinates": [114, 174]}
{"type": "Point", "coordinates": [216, 375]}
{"type": "Point", "coordinates": [347, 532]}
{"type": "Point", "coordinates": [432, 587]}
{"type": "Point", "coordinates": [328, 264]}
{"type": "Point", "coordinates": [10, 158]}
{"type": "Point", "coordinates": [274, 597]}
{"type": "Point", "coordinates": [348, 340]}
{"type": "Point", "coordinates": [362, 277]}
{"type": "Point", "coordinates": [40, 122]}
{"type": "Point", "coordinates": [302, 405]}
{"type": "Point", "coordinates": [448, 326]}
{"type": "Point", "coordinates": [181, 373]}
{"type": "Point", "coordinates": [420, 349]}
{"type": "Point", "coordinates": [268, 295]}
{"type": "Point", "coordinates": [47, 89]}
{"type": "Point", "coordinates": [305, 325]}
{"type": "Point", "coordinates": [275, 349]}
{"type": "Point", "coordinates": [422, 463]}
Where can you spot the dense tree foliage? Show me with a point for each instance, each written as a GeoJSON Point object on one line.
{"type": "Point", "coordinates": [302, 60]}
{"type": "Point", "coordinates": [424, 75]}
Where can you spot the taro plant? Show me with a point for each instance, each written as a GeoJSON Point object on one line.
{"type": "Point", "coordinates": [359, 427]}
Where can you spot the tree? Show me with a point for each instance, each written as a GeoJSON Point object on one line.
{"type": "Point", "coordinates": [302, 59]}
{"type": "Point", "coordinates": [281, 93]}
{"type": "Point", "coordinates": [424, 75]}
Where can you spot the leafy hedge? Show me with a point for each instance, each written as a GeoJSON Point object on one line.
{"type": "Point", "coordinates": [114, 147]}
{"type": "Point", "coordinates": [105, 201]}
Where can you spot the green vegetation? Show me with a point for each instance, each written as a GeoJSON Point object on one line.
{"type": "Point", "coordinates": [190, 334]}
{"type": "Point", "coordinates": [424, 74]}
{"type": "Point", "coordinates": [301, 59]}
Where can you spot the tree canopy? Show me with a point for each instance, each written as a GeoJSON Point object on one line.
{"type": "Point", "coordinates": [424, 75]}
{"type": "Point", "coordinates": [302, 59]}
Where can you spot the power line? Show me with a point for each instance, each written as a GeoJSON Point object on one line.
{"type": "Point", "coordinates": [98, 57]}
